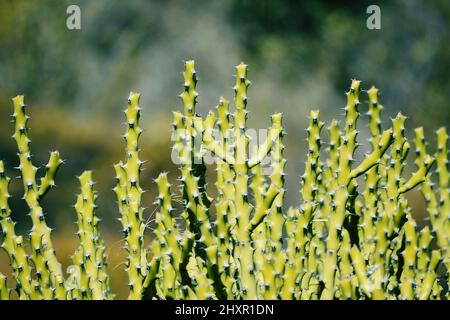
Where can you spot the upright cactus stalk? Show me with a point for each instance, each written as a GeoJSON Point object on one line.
{"type": "Point", "coordinates": [168, 242]}
{"type": "Point", "coordinates": [129, 192]}
{"type": "Point", "coordinates": [90, 256]}
{"type": "Point", "coordinates": [189, 128]}
{"type": "Point", "coordinates": [437, 201]}
{"type": "Point", "coordinates": [346, 151]}
{"type": "Point", "coordinates": [48, 269]}
{"type": "Point", "coordinates": [243, 252]}
{"type": "Point", "coordinates": [225, 208]}
{"type": "Point", "coordinates": [274, 262]}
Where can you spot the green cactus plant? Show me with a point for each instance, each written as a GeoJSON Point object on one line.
{"type": "Point", "coordinates": [129, 193]}
{"type": "Point", "coordinates": [343, 241]}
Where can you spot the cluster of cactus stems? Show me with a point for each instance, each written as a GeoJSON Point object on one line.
{"type": "Point", "coordinates": [344, 241]}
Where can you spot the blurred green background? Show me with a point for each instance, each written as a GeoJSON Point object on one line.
{"type": "Point", "coordinates": [301, 56]}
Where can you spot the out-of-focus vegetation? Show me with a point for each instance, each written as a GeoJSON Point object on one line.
{"type": "Point", "coordinates": [301, 55]}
